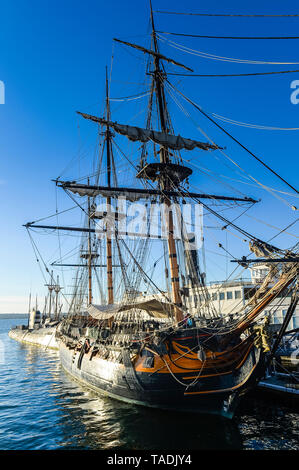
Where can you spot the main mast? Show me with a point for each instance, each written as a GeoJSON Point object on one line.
{"type": "Point", "coordinates": [164, 183]}
{"type": "Point", "coordinates": [108, 236]}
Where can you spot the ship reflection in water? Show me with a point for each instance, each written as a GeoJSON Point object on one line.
{"type": "Point", "coordinates": [43, 408]}
{"type": "Point", "coordinates": [109, 424]}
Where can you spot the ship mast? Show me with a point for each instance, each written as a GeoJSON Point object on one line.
{"type": "Point", "coordinates": [57, 289]}
{"type": "Point", "coordinates": [89, 257]}
{"type": "Point", "coordinates": [108, 236]}
{"type": "Point", "coordinates": [166, 173]}
{"type": "Point", "coordinates": [164, 183]}
{"type": "Point", "coordinates": [51, 287]}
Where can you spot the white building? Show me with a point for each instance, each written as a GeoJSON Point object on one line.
{"type": "Point", "coordinates": [228, 298]}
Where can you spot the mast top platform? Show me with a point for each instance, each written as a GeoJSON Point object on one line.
{"type": "Point", "coordinates": [157, 171]}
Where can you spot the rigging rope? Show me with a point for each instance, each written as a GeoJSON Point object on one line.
{"type": "Point", "coordinates": [227, 37]}
{"type": "Point", "coordinates": [209, 172]}
{"type": "Point", "coordinates": [206, 55]}
{"type": "Point", "coordinates": [132, 97]}
{"type": "Point", "coordinates": [233, 138]}
{"type": "Point", "coordinates": [231, 74]}
{"type": "Point", "coordinates": [54, 215]}
{"type": "Point", "coordinates": [283, 230]}
{"type": "Point", "coordinates": [253, 126]}
{"type": "Point", "coordinates": [36, 251]}
{"type": "Point", "coordinates": [260, 184]}
{"type": "Point", "coordinates": [226, 15]}
{"type": "Point", "coordinates": [236, 164]}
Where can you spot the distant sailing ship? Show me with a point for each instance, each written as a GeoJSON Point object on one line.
{"type": "Point", "coordinates": [152, 350]}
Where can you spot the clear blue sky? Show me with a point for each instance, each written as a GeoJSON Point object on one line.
{"type": "Point", "coordinates": [52, 60]}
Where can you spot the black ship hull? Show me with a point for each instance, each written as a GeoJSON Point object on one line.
{"type": "Point", "coordinates": [186, 391]}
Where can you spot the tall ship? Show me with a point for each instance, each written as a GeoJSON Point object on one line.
{"type": "Point", "coordinates": [133, 329]}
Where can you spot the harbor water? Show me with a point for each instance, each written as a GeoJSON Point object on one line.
{"type": "Point", "coordinates": [42, 408]}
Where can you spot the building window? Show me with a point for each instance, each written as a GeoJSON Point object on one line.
{"type": "Point", "coordinates": [229, 295]}
{"type": "Point", "coordinates": [237, 294]}
{"type": "Point", "coordinates": [195, 300]}
{"type": "Point", "coordinates": [214, 296]}
{"type": "Point", "coordinates": [221, 296]}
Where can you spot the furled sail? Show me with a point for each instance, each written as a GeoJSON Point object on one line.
{"type": "Point", "coordinates": [261, 249]}
{"type": "Point", "coordinates": [174, 142]}
{"type": "Point", "coordinates": [134, 194]}
{"type": "Point", "coordinates": [129, 195]}
{"type": "Point", "coordinates": [153, 307]}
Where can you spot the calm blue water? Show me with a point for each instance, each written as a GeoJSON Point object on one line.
{"type": "Point", "coordinates": [42, 408]}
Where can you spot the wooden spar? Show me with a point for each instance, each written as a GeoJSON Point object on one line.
{"type": "Point", "coordinates": [93, 230]}
{"type": "Point", "coordinates": [164, 158]}
{"type": "Point", "coordinates": [108, 237]}
{"type": "Point", "coordinates": [151, 192]}
{"type": "Point", "coordinates": [57, 227]}
{"type": "Point", "coordinates": [144, 135]}
{"type": "Point", "coordinates": [153, 53]}
{"type": "Point", "coordinates": [84, 265]}
{"type": "Point", "coordinates": [291, 259]}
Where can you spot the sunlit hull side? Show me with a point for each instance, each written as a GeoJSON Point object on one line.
{"type": "Point", "coordinates": [175, 380]}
